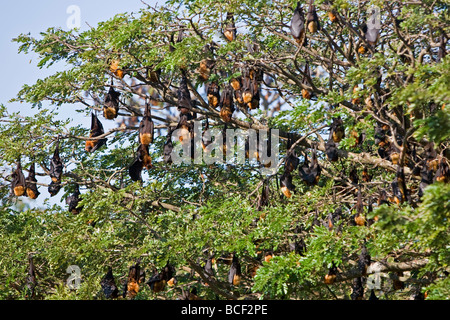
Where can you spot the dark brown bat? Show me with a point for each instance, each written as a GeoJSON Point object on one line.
{"type": "Point", "coordinates": [286, 185]}
{"type": "Point", "coordinates": [359, 218]}
{"type": "Point", "coordinates": [31, 282]}
{"type": "Point", "coordinates": [226, 104]}
{"type": "Point", "coordinates": [184, 96]}
{"type": "Point", "coordinates": [306, 94]}
{"type": "Point", "coordinates": [111, 104]}
{"type": "Point", "coordinates": [213, 94]}
{"type": "Point", "coordinates": [141, 161]}
{"type": "Point", "coordinates": [185, 124]}
{"type": "Point", "coordinates": [291, 162]}
{"type": "Point", "coordinates": [230, 28]}
{"type": "Point", "coordinates": [357, 289]}
{"type": "Point", "coordinates": [108, 285]}
{"type": "Point", "coordinates": [204, 69]}
{"type": "Point", "coordinates": [96, 130]}
{"type": "Point", "coordinates": [310, 173]}
{"type": "Point", "coordinates": [32, 190]}
{"type": "Point", "coordinates": [363, 260]}
{"type": "Point", "coordinates": [168, 147]}
{"type": "Point", "coordinates": [353, 175]}
{"type": "Point", "coordinates": [263, 199]}
{"type": "Point", "coordinates": [399, 189]}
{"type": "Point", "coordinates": [56, 168]}
{"type": "Point", "coordinates": [73, 200]}
{"type": "Point", "coordinates": [234, 275]}
{"type": "Point", "coordinates": [297, 27]}
{"type": "Point", "coordinates": [312, 20]}
{"type": "Point", "coordinates": [365, 175]}
{"type": "Point", "coordinates": [337, 130]}
{"type": "Point", "coordinates": [18, 184]}
{"type": "Point", "coordinates": [146, 127]}
{"type": "Point", "coordinates": [443, 171]}
{"type": "Point", "coordinates": [159, 279]}
{"type": "Point", "coordinates": [331, 150]}
{"type": "Point", "coordinates": [206, 137]}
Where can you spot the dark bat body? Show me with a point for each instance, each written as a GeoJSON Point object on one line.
{"type": "Point", "coordinates": [96, 130]}
{"type": "Point", "coordinates": [312, 20]}
{"type": "Point", "coordinates": [297, 27]}
{"type": "Point", "coordinates": [18, 184]}
{"type": "Point", "coordinates": [226, 104]}
{"type": "Point", "coordinates": [337, 130]}
{"type": "Point", "coordinates": [31, 278]}
{"type": "Point", "coordinates": [310, 173]}
{"type": "Point", "coordinates": [146, 127]}
{"type": "Point", "coordinates": [234, 275]}
{"type": "Point", "coordinates": [73, 200]}
{"type": "Point", "coordinates": [213, 94]}
{"type": "Point", "coordinates": [168, 147]}
{"type": "Point", "coordinates": [141, 161]}
{"type": "Point", "coordinates": [331, 150]}
{"type": "Point", "coordinates": [111, 104]}
{"type": "Point", "coordinates": [286, 184]}
{"type": "Point", "coordinates": [108, 285]}
{"type": "Point", "coordinates": [32, 190]}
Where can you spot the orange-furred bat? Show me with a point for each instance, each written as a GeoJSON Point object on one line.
{"type": "Point", "coordinates": [291, 162]}
{"type": "Point", "coordinates": [230, 27]}
{"type": "Point", "coordinates": [310, 173]}
{"type": "Point", "coordinates": [204, 69]}
{"type": "Point", "coordinates": [96, 130]}
{"type": "Point", "coordinates": [159, 279]}
{"type": "Point", "coordinates": [234, 275]}
{"type": "Point", "coordinates": [213, 95]}
{"type": "Point", "coordinates": [286, 184]}
{"type": "Point", "coordinates": [141, 161]}
{"type": "Point", "coordinates": [206, 137]}
{"type": "Point", "coordinates": [443, 171]}
{"type": "Point", "coordinates": [226, 104]}
{"type": "Point", "coordinates": [359, 218]}
{"type": "Point", "coordinates": [132, 286]}
{"type": "Point", "coordinates": [114, 68]}
{"type": "Point", "coordinates": [73, 200]}
{"type": "Point", "coordinates": [337, 130]}
{"type": "Point", "coordinates": [312, 20]}
{"type": "Point", "coordinates": [146, 127]}
{"type": "Point", "coordinates": [108, 285]}
{"type": "Point", "coordinates": [332, 15]}
{"type": "Point", "coordinates": [330, 277]}
{"type": "Point", "coordinates": [32, 190]}
{"type": "Point", "coordinates": [365, 175]}
{"type": "Point", "coordinates": [18, 184]}
{"type": "Point", "coordinates": [306, 94]}
{"type": "Point", "coordinates": [297, 27]}
{"type": "Point", "coordinates": [111, 104]}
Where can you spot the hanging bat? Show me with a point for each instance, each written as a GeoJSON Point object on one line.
{"type": "Point", "coordinates": [184, 124]}
{"type": "Point", "coordinates": [353, 175]}
{"type": "Point", "coordinates": [310, 173]}
{"type": "Point", "coordinates": [108, 285]}
{"type": "Point", "coordinates": [312, 20]}
{"type": "Point", "coordinates": [333, 218]}
{"type": "Point", "coordinates": [141, 161]}
{"type": "Point", "coordinates": [331, 150]}
{"type": "Point", "coordinates": [114, 68]}
{"type": "Point", "coordinates": [226, 104]}
{"type": "Point", "coordinates": [32, 190]}
{"type": "Point", "coordinates": [132, 284]}
{"type": "Point", "coordinates": [234, 275]}
{"type": "Point", "coordinates": [73, 200]}
{"type": "Point", "coordinates": [184, 96]}
{"type": "Point", "coordinates": [146, 127]}
{"type": "Point", "coordinates": [443, 171]}
{"type": "Point", "coordinates": [291, 162]}
{"type": "Point", "coordinates": [230, 28]}
{"type": "Point", "coordinates": [363, 260]}
{"type": "Point", "coordinates": [394, 154]}
{"type": "Point", "coordinates": [236, 83]}
{"type": "Point", "coordinates": [168, 147]}
{"type": "Point", "coordinates": [263, 200]}
{"type": "Point", "coordinates": [18, 184]}
{"type": "Point", "coordinates": [330, 277]}
{"type": "Point", "coordinates": [337, 130]}
{"type": "Point", "coordinates": [298, 26]}
{"type": "Point", "coordinates": [332, 15]}
{"type": "Point", "coordinates": [359, 218]}
{"type": "Point", "coordinates": [206, 137]}
{"type": "Point", "coordinates": [56, 168]}
{"type": "Point", "coordinates": [204, 69]}
{"type": "Point", "coordinates": [96, 130]}
{"type": "Point", "coordinates": [31, 278]}
{"type": "Point", "coordinates": [306, 94]}
{"type": "Point", "coordinates": [213, 95]}
{"type": "Point", "coordinates": [286, 184]}
{"type": "Point", "coordinates": [111, 104]}
{"type": "Point", "coordinates": [159, 279]}
{"type": "Point", "coordinates": [247, 88]}
{"type": "Point", "coordinates": [365, 175]}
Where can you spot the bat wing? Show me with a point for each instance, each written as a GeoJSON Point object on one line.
{"type": "Point", "coordinates": [297, 22]}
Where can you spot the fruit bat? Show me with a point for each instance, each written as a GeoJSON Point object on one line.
{"type": "Point", "coordinates": [337, 130]}
{"type": "Point", "coordinates": [73, 200]}
{"type": "Point", "coordinates": [312, 20]}
{"type": "Point", "coordinates": [114, 68]}
{"type": "Point", "coordinates": [399, 187]}
{"type": "Point", "coordinates": [226, 104]}
{"type": "Point", "coordinates": [32, 190]}
{"type": "Point", "coordinates": [443, 171]}
{"type": "Point", "coordinates": [264, 197]}
{"type": "Point", "coordinates": [108, 285]}
{"type": "Point", "coordinates": [333, 218]}
{"type": "Point", "coordinates": [213, 95]}
{"type": "Point", "coordinates": [184, 124]}
{"type": "Point", "coordinates": [146, 127]}
{"type": "Point", "coordinates": [365, 175]}
{"type": "Point", "coordinates": [204, 69]}
{"type": "Point", "coordinates": [291, 162]}
{"type": "Point", "coordinates": [357, 289]}
{"type": "Point", "coordinates": [359, 219]}
{"type": "Point", "coordinates": [18, 184]}
{"type": "Point", "coordinates": [310, 173]}
{"type": "Point", "coordinates": [184, 96]}
{"type": "Point", "coordinates": [132, 284]}
{"type": "Point", "coordinates": [31, 278]}
{"type": "Point", "coordinates": [394, 154]}
{"type": "Point", "coordinates": [142, 160]}
{"type": "Point", "coordinates": [286, 184]}
{"type": "Point", "coordinates": [56, 168]}
{"type": "Point", "coordinates": [353, 175]}
{"type": "Point", "coordinates": [332, 15]}
{"type": "Point", "coordinates": [255, 79]}
{"type": "Point", "coordinates": [236, 84]}
{"type": "Point", "coordinates": [111, 104]}
{"type": "Point", "coordinates": [234, 275]}
{"type": "Point", "coordinates": [298, 26]}
{"type": "Point", "coordinates": [363, 260]}
{"type": "Point", "coordinates": [96, 130]}
{"type": "Point", "coordinates": [159, 280]}
{"type": "Point", "coordinates": [168, 147]}
{"type": "Point", "coordinates": [206, 139]}
{"type": "Point", "coordinates": [330, 277]}
{"type": "Point", "coordinates": [306, 94]}
{"type": "Point", "coordinates": [230, 28]}
{"type": "Point", "coordinates": [208, 266]}
{"type": "Point", "coordinates": [331, 150]}
{"type": "Point", "coordinates": [190, 295]}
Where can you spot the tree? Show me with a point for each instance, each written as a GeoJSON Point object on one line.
{"type": "Point", "coordinates": [358, 206]}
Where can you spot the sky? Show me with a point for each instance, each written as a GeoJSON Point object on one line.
{"type": "Point", "coordinates": [37, 16]}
